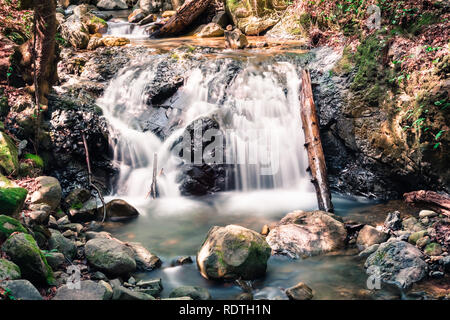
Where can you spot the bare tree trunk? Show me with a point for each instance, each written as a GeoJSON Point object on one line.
{"type": "Point", "coordinates": [438, 202]}
{"type": "Point", "coordinates": [313, 144]}
{"type": "Point", "coordinates": [178, 23]}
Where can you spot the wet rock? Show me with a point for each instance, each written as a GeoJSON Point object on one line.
{"type": "Point", "coordinates": [55, 259]}
{"type": "Point", "coordinates": [110, 256]}
{"type": "Point", "coordinates": [393, 221]}
{"type": "Point", "coordinates": [300, 292]}
{"type": "Point", "coordinates": [302, 233]}
{"type": "Point", "coordinates": [233, 252]}
{"type": "Point", "coordinates": [109, 41]}
{"type": "Point", "coordinates": [49, 192]}
{"type": "Point", "coordinates": [398, 263]}
{"type": "Point", "coordinates": [122, 293]}
{"type": "Point", "coordinates": [118, 209]}
{"type": "Point", "coordinates": [95, 43]}
{"type": "Point", "coordinates": [89, 290]}
{"type": "Point", "coordinates": [136, 16]}
{"type": "Point", "coordinates": [245, 296]}
{"type": "Point", "coordinates": [368, 251]}
{"type": "Point", "coordinates": [24, 251]}
{"type": "Point", "coordinates": [369, 236]}
{"type": "Point", "coordinates": [77, 197]}
{"type": "Point", "coordinates": [12, 200]}
{"type": "Point", "coordinates": [181, 261]}
{"type": "Point", "coordinates": [235, 39]}
{"type": "Point", "coordinates": [9, 270]}
{"type": "Point", "coordinates": [145, 260]}
{"type": "Point", "coordinates": [21, 289]}
{"type": "Point", "coordinates": [85, 212]}
{"type": "Point", "coordinates": [112, 5]}
{"type": "Point", "coordinates": [211, 30]}
{"type": "Point", "coordinates": [196, 293]}
{"type": "Point", "coordinates": [62, 244]}
{"type": "Point", "coordinates": [9, 162]}
{"type": "Point", "coordinates": [168, 13]}
{"type": "Point", "coordinates": [148, 19]}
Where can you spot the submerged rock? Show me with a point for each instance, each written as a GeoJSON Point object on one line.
{"type": "Point", "coordinates": [196, 293]}
{"type": "Point", "coordinates": [302, 233]}
{"type": "Point", "coordinates": [23, 251]}
{"type": "Point", "coordinates": [21, 289]}
{"type": "Point", "coordinates": [397, 262]}
{"type": "Point", "coordinates": [110, 256]}
{"type": "Point", "coordinates": [300, 292]}
{"type": "Point", "coordinates": [233, 252]}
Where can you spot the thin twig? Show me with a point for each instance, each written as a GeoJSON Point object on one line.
{"type": "Point", "coordinates": [91, 184]}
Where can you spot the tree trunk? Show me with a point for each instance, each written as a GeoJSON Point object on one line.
{"type": "Point", "coordinates": [313, 144]}
{"type": "Point", "coordinates": [179, 23]}
{"type": "Point", "coordinates": [438, 202]}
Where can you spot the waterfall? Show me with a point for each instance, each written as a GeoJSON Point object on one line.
{"type": "Point", "coordinates": [255, 103]}
{"type": "Point", "coordinates": [127, 30]}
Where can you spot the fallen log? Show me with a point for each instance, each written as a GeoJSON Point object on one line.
{"type": "Point", "coordinates": [184, 17]}
{"type": "Point", "coordinates": [438, 202]}
{"type": "Point", "coordinates": [313, 144]}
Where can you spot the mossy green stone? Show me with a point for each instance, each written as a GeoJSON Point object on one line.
{"type": "Point", "coordinates": [9, 161]}
{"type": "Point", "coordinates": [9, 270]}
{"type": "Point", "coordinates": [433, 249]}
{"type": "Point", "coordinates": [416, 236]}
{"type": "Point", "coordinates": [8, 226]}
{"type": "Point", "coordinates": [36, 159]}
{"type": "Point", "coordinates": [11, 200]}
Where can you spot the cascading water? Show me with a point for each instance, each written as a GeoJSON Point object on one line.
{"type": "Point", "coordinates": [125, 29]}
{"type": "Point", "coordinates": [256, 105]}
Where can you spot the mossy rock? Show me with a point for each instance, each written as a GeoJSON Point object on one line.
{"type": "Point", "coordinates": [37, 160]}
{"type": "Point", "coordinates": [433, 249]}
{"type": "Point", "coordinates": [8, 226]}
{"type": "Point", "coordinates": [6, 183]}
{"type": "Point", "coordinates": [24, 251]}
{"type": "Point", "coordinates": [11, 200]}
{"type": "Point", "coordinates": [9, 270]}
{"type": "Point", "coordinates": [9, 161]}
{"type": "Point", "coordinates": [413, 238]}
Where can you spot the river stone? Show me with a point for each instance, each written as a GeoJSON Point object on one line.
{"type": "Point", "coordinates": [196, 293]}
{"type": "Point", "coordinates": [110, 256]}
{"type": "Point", "coordinates": [368, 251]}
{"type": "Point", "coordinates": [75, 32]}
{"type": "Point", "coordinates": [233, 252]}
{"type": "Point", "coordinates": [235, 39]}
{"type": "Point", "coordinates": [55, 259]}
{"type": "Point", "coordinates": [414, 237]}
{"type": "Point", "coordinates": [9, 270]}
{"type": "Point", "coordinates": [422, 242]}
{"type": "Point", "coordinates": [397, 262]}
{"type": "Point", "coordinates": [300, 292]}
{"type": "Point", "coordinates": [136, 16]}
{"type": "Point", "coordinates": [21, 289]}
{"type": "Point", "coordinates": [61, 244]}
{"type": "Point", "coordinates": [411, 224]}
{"type": "Point", "coordinates": [427, 214]}
{"type": "Point", "coordinates": [393, 221]}
{"type": "Point", "coordinates": [122, 293]}
{"type": "Point", "coordinates": [152, 287]}
{"type": "Point", "coordinates": [302, 233]}
{"type": "Point", "coordinates": [12, 200]}
{"type": "Point", "coordinates": [48, 192]}
{"type": "Point", "coordinates": [211, 30]}
{"type": "Point", "coordinates": [109, 41]}
{"type": "Point", "coordinates": [8, 226]}
{"type": "Point", "coordinates": [9, 162]}
{"type": "Point", "coordinates": [89, 290]}
{"type": "Point", "coordinates": [369, 235]}
{"type": "Point", "coordinates": [23, 251]}
{"type": "Point", "coordinates": [433, 249]}
{"type": "Point", "coordinates": [145, 260]}
{"type": "Point", "coordinates": [112, 5]}
{"type": "Point", "coordinates": [118, 209]}
{"type": "Point", "coordinates": [151, 5]}
{"type": "Point", "coordinates": [77, 197]}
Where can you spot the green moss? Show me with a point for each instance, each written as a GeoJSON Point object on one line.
{"type": "Point", "coordinates": [11, 200]}
{"type": "Point", "coordinates": [9, 161]}
{"type": "Point", "coordinates": [433, 249]}
{"type": "Point", "coordinates": [36, 159]}
{"type": "Point", "coordinates": [345, 64]}
{"type": "Point", "coordinates": [95, 20]}
{"type": "Point", "coordinates": [8, 226]}
{"type": "Point", "coordinates": [9, 270]}
{"type": "Point", "coordinates": [76, 206]}
{"type": "Point", "coordinates": [34, 247]}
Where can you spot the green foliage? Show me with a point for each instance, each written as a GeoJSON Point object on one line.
{"type": "Point", "coordinates": [36, 159]}
{"type": "Point", "coordinates": [11, 200]}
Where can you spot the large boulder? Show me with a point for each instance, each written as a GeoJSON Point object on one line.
{"type": "Point", "coordinates": [369, 236]}
{"type": "Point", "coordinates": [9, 270]}
{"type": "Point", "coordinates": [11, 200]}
{"type": "Point", "coordinates": [24, 251]}
{"type": "Point", "coordinates": [397, 262]}
{"type": "Point", "coordinates": [253, 17]}
{"type": "Point", "coordinates": [112, 5]}
{"type": "Point", "coordinates": [302, 233]}
{"type": "Point", "coordinates": [49, 192]}
{"type": "Point", "coordinates": [89, 290]}
{"type": "Point", "coordinates": [21, 290]}
{"type": "Point", "coordinates": [233, 252]}
{"type": "Point", "coordinates": [8, 226]}
{"type": "Point", "coordinates": [61, 244]}
{"type": "Point", "coordinates": [110, 256]}
{"type": "Point", "coordinates": [9, 162]}
{"type": "Point", "coordinates": [118, 209]}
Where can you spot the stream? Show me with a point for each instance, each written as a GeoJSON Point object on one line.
{"type": "Point", "coordinates": [250, 98]}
